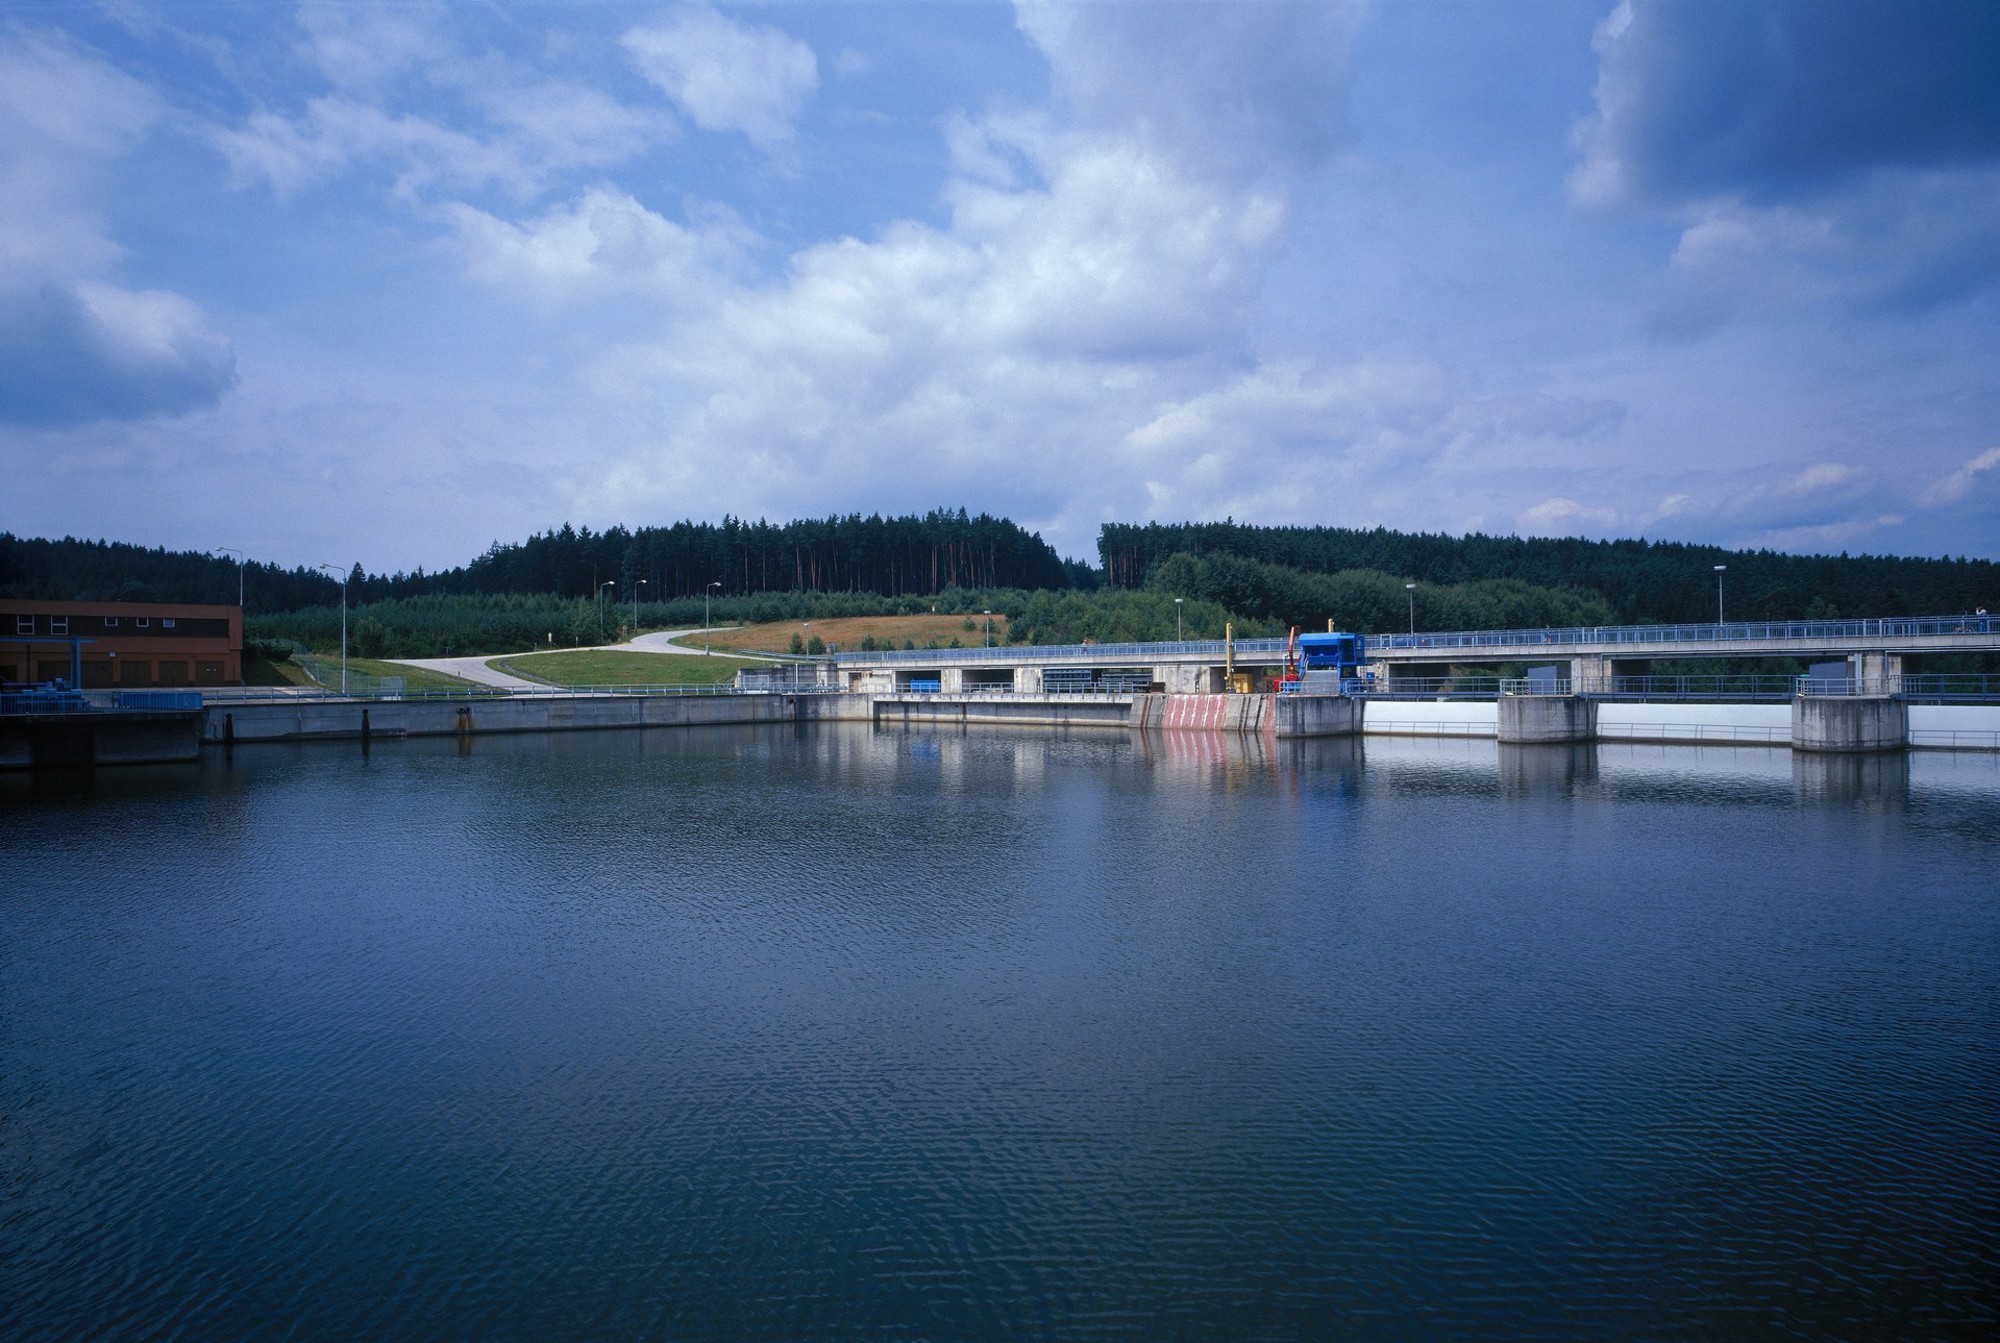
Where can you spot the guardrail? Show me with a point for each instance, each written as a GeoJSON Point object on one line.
{"type": "Point", "coordinates": [1141, 652]}
{"type": "Point", "coordinates": [1652, 636]}
{"type": "Point", "coordinates": [44, 702]}
{"type": "Point", "coordinates": [1924, 689]}
{"type": "Point", "coordinates": [287, 694]}
{"type": "Point", "coordinates": [1927, 688]}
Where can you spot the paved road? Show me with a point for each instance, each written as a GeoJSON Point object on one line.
{"type": "Point", "coordinates": [479, 671]}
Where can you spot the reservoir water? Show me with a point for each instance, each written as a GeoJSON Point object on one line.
{"type": "Point", "coordinates": [839, 1034]}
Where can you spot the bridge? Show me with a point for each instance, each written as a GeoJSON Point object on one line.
{"type": "Point", "coordinates": [1598, 659]}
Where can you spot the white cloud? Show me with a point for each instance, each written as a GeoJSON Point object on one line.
{"type": "Point", "coordinates": [1567, 517]}
{"type": "Point", "coordinates": [75, 346]}
{"type": "Point", "coordinates": [1960, 483]}
{"type": "Point", "coordinates": [404, 96]}
{"type": "Point", "coordinates": [1231, 87]}
{"type": "Point", "coordinates": [727, 76]}
{"type": "Point", "coordinates": [606, 245]}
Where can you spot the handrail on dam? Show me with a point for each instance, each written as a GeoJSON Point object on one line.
{"type": "Point", "coordinates": [234, 694]}
{"type": "Point", "coordinates": [1651, 636]}
{"type": "Point", "coordinates": [1015, 653]}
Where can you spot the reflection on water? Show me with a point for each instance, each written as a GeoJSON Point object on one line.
{"type": "Point", "coordinates": [1877, 779]}
{"type": "Point", "coordinates": [777, 1032]}
{"type": "Point", "coordinates": [1552, 770]}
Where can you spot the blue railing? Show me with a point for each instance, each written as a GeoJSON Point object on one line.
{"type": "Point", "coordinates": [285, 695]}
{"type": "Point", "coordinates": [1633, 636]}
{"type": "Point", "coordinates": [1194, 648]}
{"type": "Point", "coordinates": [158, 700]}
{"type": "Point", "coordinates": [1654, 636]}
{"type": "Point", "coordinates": [43, 702]}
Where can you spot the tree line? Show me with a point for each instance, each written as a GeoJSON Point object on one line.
{"type": "Point", "coordinates": [1665, 581]}
{"type": "Point", "coordinates": [914, 555]}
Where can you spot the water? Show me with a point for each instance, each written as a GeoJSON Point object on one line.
{"type": "Point", "coordinates": [769, 1034]}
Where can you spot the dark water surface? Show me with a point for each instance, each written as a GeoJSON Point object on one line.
{"type": "Point", "coordinates": [770, 1034]}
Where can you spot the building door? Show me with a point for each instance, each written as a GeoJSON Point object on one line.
{"type": "Point", "coordinates": [173, 673]}
{"type": "Point", "coordinates": [97, 673]}
{"type": "Point", "coordinates": [134, 671]}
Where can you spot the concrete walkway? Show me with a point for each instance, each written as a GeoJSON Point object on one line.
{"type": "Point", "coordinates": [480, 670]}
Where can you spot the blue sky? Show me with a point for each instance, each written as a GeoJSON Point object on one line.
{"type": "Point", "coordinates": [339, 282]}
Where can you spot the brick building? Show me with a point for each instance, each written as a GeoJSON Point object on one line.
{"type": "Point", "coordinates": [129, 644]}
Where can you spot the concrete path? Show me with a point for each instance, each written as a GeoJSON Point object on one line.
{"type": "Point", "coordinates": [470, 669]}
{"type": "Point", "coordinates": [480, 671]}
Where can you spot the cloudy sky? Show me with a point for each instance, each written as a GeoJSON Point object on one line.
{"type": "Point", "coordinates": [342, 281]}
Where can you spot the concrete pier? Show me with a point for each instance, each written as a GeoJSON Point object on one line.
{"type": "Point", "coordinates": [1850, 723]}
{"type": "Point", "coordinates": [31, 741]}
{"type": "Point", "coordinates": [1531, 720]}
{"type": "Point", "coordinates": [1316, 716]}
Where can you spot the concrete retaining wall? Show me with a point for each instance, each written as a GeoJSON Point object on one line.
{"type": "Point", "coordinates": [99, 739]}
{"type": "Point", "coordinates": [1201, 713]}
{"type": "Point", "coordinates": [1720, 724]}
{"type": "Point", "coordinates": [1962, 727]}
{"type": "Point", "coordinates": [1026, 711]}
{"type": "Point", "coordinates": [311, 720]}
{"type": "Point", "coordinates": [1945, 726]}
{"type": "Point", "coordinates": [1427, 718]}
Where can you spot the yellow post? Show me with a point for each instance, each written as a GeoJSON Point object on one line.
{"type": "Point", "coordinates": [1329, 626]}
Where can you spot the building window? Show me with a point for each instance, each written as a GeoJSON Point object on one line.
{"type": "Point", "coordinates": [167, 622]}
{"type": "Point", "coordinates": [111, 622]}
{"type": "Point", "coordinates": [142, 621]}
{"type": "Point", "coordinates": [24, 624]}
{"type": "Point", "coordinates": [58, 624]}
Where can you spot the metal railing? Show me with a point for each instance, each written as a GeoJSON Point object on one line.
{"type": "Point", "coordinates": [1928, 688]}
{"type": "Point", "coordinates": [1804, 632]}
{"type": "Point", "coordinates": [288, 694]}
{"type": "Point", "coordinates": [1025, 653]}
{"type": "Point", "coordinates": [158, 700]}
{"type": "Point", "coordinates": [1652, 636]}
{"type": "Point", "coordinates": [44, 702]}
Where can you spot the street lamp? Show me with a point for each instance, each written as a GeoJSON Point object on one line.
{"type": "Point", "coordinates": [989, 629]}
{"type": "Point", "coordinates": [342, 580]}
{"type": "Point", "coordinates": [607, 583]}
{"type": "Point", "coordinates": [1411, 588]}
{"type": "Point", "coordinates": [1177, 618]}
{"type": "Point", "coordinates": [225, 550]}
{"type": "Point", "coordinates": [704, 613]}
{"type": "Point", "coordinates": [1718, 592]}
{"type": "Point", "coordinates": [635, 606]}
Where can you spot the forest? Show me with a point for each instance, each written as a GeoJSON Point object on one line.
{"type": "Point", "coordinates": [573, 586]}
{"type": "Point", "coordinates": [1668, 582]}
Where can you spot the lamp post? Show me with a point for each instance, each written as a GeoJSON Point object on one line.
{"type": "Point", "coordinates": [225, 550]}
{"type": "Point", "coordinates": [607, 583]}
{"type": "Point", "coordinates": [989, 629]}
{"type": "Point", "coordinates": [1718, 592]}
{"type": "Point", "coordinates": [342, 580]}
{"type": "Point", "coordinates": [635, 606]}
{"type": "Point", "coordinates": [1177, 618]}
{"type": "Point", "coordinates": [1411, 588]}
{"type": "Point", "coordinates": [704, 614]}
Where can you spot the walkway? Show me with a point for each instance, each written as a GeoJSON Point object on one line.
{"type": "Point", "coordinates": [480, 671]}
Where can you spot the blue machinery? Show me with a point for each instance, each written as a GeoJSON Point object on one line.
{"type": "Point", "coordinates": [1330, 662]}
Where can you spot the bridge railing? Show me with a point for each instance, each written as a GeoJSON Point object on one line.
{"type": "Point", "coordinates": [284, 694]}
{"type": "Point", "coordinates": [1969, 688]}
{"type": "Point", "coordinates": [1134, 652]}
{"type": "Point", "coordinates": [1665, 636]}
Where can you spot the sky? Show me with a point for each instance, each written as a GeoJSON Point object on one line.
{"type": "Point", "coordinates": [386, 283]}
